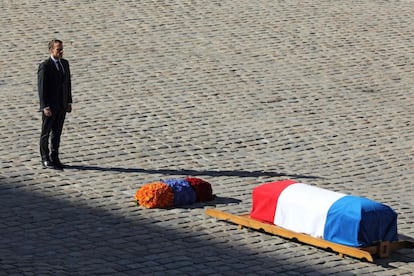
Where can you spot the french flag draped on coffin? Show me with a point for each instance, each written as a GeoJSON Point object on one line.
{"type": "Point", "coordinates": [332, 216]}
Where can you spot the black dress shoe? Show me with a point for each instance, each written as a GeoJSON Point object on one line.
{"type": "Point", "coordinates": [58, 165]}
{"type": "Point", "coordinates": [46, 164]}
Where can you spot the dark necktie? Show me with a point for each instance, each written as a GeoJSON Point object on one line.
{"type": "Point", "coordinates": [60, 68]}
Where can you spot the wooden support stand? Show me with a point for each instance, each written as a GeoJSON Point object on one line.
{"type": "Point", "coordinates": [382, 249]}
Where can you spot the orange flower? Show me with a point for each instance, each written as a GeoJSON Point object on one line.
{"type": "Point", "coordinates": [155, 195]}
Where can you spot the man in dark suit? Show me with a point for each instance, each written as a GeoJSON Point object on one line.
{"type": "Point", "coordinates": [54, 86]}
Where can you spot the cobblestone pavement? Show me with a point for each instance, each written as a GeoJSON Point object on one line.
{"type": "Point", "coordinates": [238, 93]}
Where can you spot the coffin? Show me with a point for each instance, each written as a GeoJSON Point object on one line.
{"type": "Point", "coordinates": [332, 216]}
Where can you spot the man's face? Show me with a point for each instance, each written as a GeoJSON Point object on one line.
{"type": "Point", "coordinates": [57, 50]}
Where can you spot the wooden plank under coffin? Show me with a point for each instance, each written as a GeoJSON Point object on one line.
{"type": "Point", "coordinates": [382, 249]}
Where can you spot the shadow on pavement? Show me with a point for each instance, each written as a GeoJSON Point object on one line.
{"type": "Point", "coordinates": [217, 173]}
{"type": "Point", "coordinates": [213, 203]}
{"type": "Point", "coordinates": [66, 234]}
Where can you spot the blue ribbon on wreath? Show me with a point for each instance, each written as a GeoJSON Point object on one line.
{"type": "Point", "coordinates": [183, 192]}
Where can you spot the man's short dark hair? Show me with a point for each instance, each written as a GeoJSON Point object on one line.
{"type": "Point", "coordinates": [52, 43]}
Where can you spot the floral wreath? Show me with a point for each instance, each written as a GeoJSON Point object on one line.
{"type": "Point", "coordinates": [174, 192]}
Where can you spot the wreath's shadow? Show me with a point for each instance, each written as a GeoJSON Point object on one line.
{"type": "Point", "coordinates": [212, 203]}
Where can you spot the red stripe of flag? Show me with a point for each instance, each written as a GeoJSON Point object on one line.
{"type": "Point", "coordinates": [263, 205]}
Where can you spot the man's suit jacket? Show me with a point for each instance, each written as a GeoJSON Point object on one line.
{"type": "Point", "coordinates": [55, 90]}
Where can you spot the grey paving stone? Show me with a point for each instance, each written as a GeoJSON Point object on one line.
{"type": "Point", "coordinates": [236, 92]}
